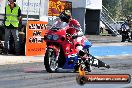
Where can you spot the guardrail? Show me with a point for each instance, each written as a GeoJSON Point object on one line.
{"type": "Point", "coordinates": [108, 21]}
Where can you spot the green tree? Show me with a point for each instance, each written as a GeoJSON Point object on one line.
{"type": "Point", "coordinates": [127, 7]}
{"type": "Point", "coordinates": [118, 8]}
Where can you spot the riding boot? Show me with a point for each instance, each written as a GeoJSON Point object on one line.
{"type": "Point", "coordinates": [5, 51]}
{"type": "Point", "coordinates": [129, 40]}
{"type": "Point", "coordinates": [129, 37]}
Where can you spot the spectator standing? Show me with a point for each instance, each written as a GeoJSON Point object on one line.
{"type": "Point", "coordinates": [130, 25]}
{"type": "Point", "coordinates": [126, 30]}
{"type": "Point", "coordinates": [12, 20]}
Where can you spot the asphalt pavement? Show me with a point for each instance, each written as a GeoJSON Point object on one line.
{"type": "Point", "coordinates": [104, 39]}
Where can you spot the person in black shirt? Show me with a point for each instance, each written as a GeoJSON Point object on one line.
{"type": "Point", "coordinates": [126, 30]}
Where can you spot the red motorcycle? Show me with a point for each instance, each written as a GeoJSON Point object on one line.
{"type": "Point", "coordinates": [61, 51]}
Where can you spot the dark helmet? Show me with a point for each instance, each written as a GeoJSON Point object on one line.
{"type": "Point", "coordinates": [65, 16]}
{"type": "Point", "coordinates": [13, 0]}
{"type": "Point", "coordinates": [129, 17]}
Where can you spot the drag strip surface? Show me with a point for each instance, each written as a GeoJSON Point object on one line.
{"type": "Point", "coordinates": [33, 75]}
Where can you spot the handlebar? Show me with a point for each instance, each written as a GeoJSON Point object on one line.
{"type": "Point", "coordinates": [55, 28]}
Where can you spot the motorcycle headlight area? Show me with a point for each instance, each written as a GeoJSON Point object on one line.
{"type": "Point", "coordinates": [49, 37]}
{"type": "Point", "coordinates": [52, 37]}
{"type": "Point", "coordinates": [55, 37]}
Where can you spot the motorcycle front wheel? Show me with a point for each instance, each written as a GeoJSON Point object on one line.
{"type": "Point", "coordinates": [51, 60]}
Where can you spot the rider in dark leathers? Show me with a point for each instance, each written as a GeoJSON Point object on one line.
{"type": "Point", "coordinates": [126, 29]}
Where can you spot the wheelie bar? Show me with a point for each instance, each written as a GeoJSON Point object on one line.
{"type": "Point", "coordinates": [97, 63]}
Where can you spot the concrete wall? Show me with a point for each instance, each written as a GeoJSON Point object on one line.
{"type": "Point", "coordinates": [79, 14]}
{"type": "Point", "coordinates": [88, 19]}
{"type": "Point", "coordinates": [92, 20]}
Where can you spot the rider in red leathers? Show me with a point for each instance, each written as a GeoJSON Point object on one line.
{"type": "Point", "coordinates": [76, 32]}
{"type": "Point", "coordinates": [74, 28]}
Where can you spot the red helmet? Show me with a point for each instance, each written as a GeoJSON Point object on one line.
{"type": "Point", "coordinates": [65, 16]}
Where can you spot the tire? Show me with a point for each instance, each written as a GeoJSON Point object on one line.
{"type": "Point", "coordinates": [50, 61]}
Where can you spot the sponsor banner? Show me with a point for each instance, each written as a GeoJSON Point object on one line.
{"type": "Point", "coordinates": [2, 6]}
{"type": "Point", "coordinates": [57, 6]}
{"type": "Point", "coordinates": [83, 78]}
{"type": "Point", "coordinates": [104, 78]}
{"type": "Point", "coordinates": [35, 44]}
